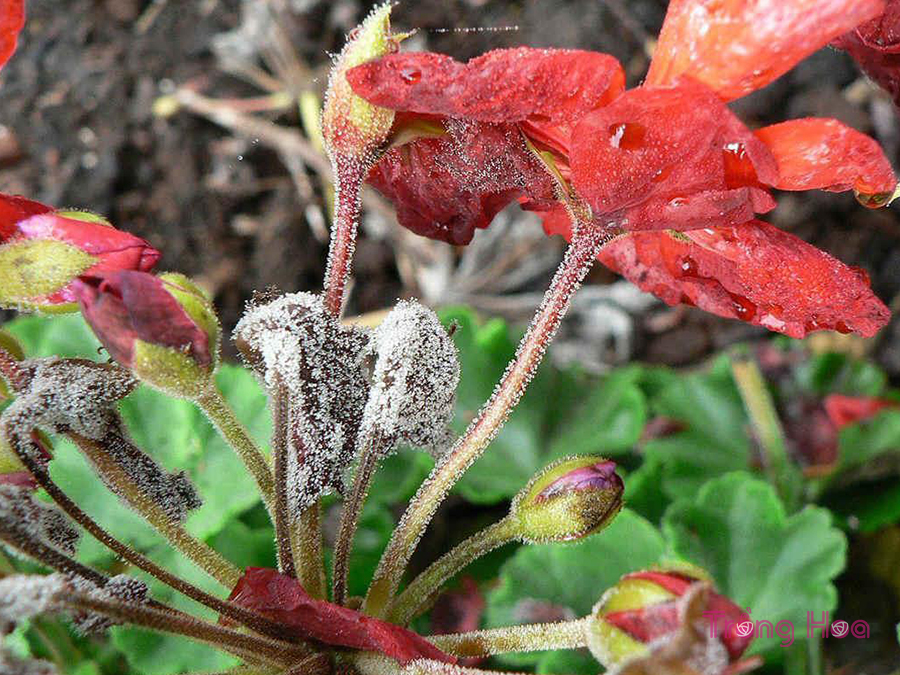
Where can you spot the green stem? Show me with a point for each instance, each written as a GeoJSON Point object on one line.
{"type": "Point", "coordinates": [280, 424]}
{"type": "Point", "coordinates": [528, 638]}
{"type": "Point", "coordinates": [587, 242]}
{"type": "Point", "coordinates": [222, 417]}
{"type": "Point", "coordinates": [767, 428]}
{"type": "Point", "coordinates": [206, 558]}
{"type": "Point", "coordinates": [417, 596]}
{"type": "Point", "coordinates": [353, 506]}
{"type": "Point", "coordinates": [309, 555]}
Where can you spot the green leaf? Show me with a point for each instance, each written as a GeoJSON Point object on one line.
{"type": "Point", "coordinates": [569, 579]}
{"type": "Point", "coordinates": [778, 566]}
{"type": "Point", "coordinates": [839, 373]}
{"type": "Point", "coordinates": [866, 507]}
{"type": "Point", "coordinates": [715, 441]}
{"type": "Point", "coordinates": [60, 335]}
{"type": "Point", "coordinates": [865, 440]}
{"type": "Point", "coordinates": [643, 490]}
{"type": "Point", "coordinates": [607, 418]}
{"type": "Point", "coordinates": [569, 661]}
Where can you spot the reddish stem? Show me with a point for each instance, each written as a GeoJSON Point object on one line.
{"type": "Point", "coordinates": [349, 174]}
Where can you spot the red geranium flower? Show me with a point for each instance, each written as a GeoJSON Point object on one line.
{"type": "Point", "coordinates": [666, 164]}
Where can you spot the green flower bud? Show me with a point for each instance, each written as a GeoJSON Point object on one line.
{"type": "Point", "coordinates": [568, 500]}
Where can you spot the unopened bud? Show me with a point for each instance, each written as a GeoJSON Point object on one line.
{"type": "Point", "coordinates": [42, 252]}
{"type": "Point", "coordinates": [568, 500]}
{"type": "Point", "coordinates": [352, 127]}
{"type": "Point", "coordinates": [163, 328]}
{"type": "Point", "coordinates": [644, 607]}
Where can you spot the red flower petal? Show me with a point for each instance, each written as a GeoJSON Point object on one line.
{"type": "Point", "coordinates": [816, 153]}
{"type": "Point", "coordinates": [12, 19]}
{"type": "Point", "coordinates": [668, 144]}
{"type": "Point", "coordinates": [283, 599]}
{"type": "Point", "coordinates": [444, 188]}
{"type": "Point", "coordinates": [15, 209]}
{"type": "Point", "coordinates": [739, 46]}
{"type": "Point", "coordinates": [845, 410]}
{"type": "Point", "coordinates": [753, 272]}
{"type": "Point", "coordinates": [504, 85]}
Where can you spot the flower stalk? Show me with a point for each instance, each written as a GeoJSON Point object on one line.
{"type": "Point", "coordinates": [416, 598]}
{"type": "Point", "coordinates": [353, 506]}
{"type": "Point", "coordinates": [280, 423]}
{"type": "Point", "coordinates": [232, 430]}
{"type": "Point", "coordinates": [528, 638]}
{"type": "Point", "coordinates": [587, 241]}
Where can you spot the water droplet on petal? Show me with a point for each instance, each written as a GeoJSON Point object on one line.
{"type": "Point", "coordinates": [739, 170]}
{"type": "Point", "coordinates": [743, 307]}
{"type": "Point", "coordinates": [678, 202]}
{"type": "Point", "coordinates": [873, 201]}
{"type": "Point", "coordinates": [689, 267]}
{"type": "Point", "coordinates": [411, 75]}
{"type": "Point", "coordinates": [627, 135]}
{"type": "Point", "coordinates": [842, 327]}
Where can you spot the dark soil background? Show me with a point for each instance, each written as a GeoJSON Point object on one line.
{"type": "Point", "coordinates": [78, 130]}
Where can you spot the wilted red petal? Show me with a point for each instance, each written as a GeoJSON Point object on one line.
{"type": "Point", "coordinates": [444, 188]}
{"type": "Point", "coordinates": [709, 208]}
{"type": "Point", "coordinates": [875, 45]}
{"type": "Point", "coordinates": [667, 143]}
{"type": "Point", "coordinates": [817, 153]}
{"type": "Point", "coordinates": [283, 599]}
{"type": "Point", "coordinates": [845, 410]}
{"type": "Point", "coordinates": [12, 19]}
{"type": "Point", "coordinates": [753, 272]}
{"type": "Point", "coordinates": [14, 210]}
{"type": "Point", "coordinates": [504, 85]}
{"type": "Point", "coordinates": [125, 305]}
{"type": "Point", "coordinates": [739, 46]}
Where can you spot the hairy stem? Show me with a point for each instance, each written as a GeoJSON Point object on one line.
{"type": "Point", "coordinates": [417, 596]}
{"type": "Point", "coordinates": [309, 555]}
{"type": "Point", "coordinates": [348, 180]}
{"type": "Point", "coordinates": [241, 644]}
{"type": "Point", "coordinates": [528, 638]}
{"type": "Point", "coordinates": [195, 550]}
{"type": "Point", "coordinates": [280, 423]}
{"type": "Point", "coordinates": [353, 506]}
{"type": "Point", "coordinates": [250, 619]}
{"type": "Point", "coordinates": [586, 244]}
{"type": "Point", "coordinates": [220, 413]}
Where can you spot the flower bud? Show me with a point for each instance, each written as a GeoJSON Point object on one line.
{"type": "Point", "coordinates": [568, 500]}
{"type": "Point", "coordinates": [163, 328]}
{"type": "Point", "coordinates": [644, 607]}
{"type": "Point", "coordinates": [352, 127]}
{"type": "Point", "coordinates": [43, 251]}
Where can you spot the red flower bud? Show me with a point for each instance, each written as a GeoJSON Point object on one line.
{"type": "Point", "coordinates": [643, 607]}
{"type": "Point", "coordinates": [42, 251]}
{"type": "Point", "coordinates": [163, 327]}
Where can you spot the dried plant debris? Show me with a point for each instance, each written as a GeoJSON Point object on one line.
{"type": "Point", "coordinates": [293, 342]}
{"type": "Point", "coordinates": [414, 380]}
{"type": "Point", "coordinates": [122, 588]}
{"type": "Point", "coordinates": [172, 492]}
{"type": "Point", "coordinates": [23, 518]}
{"type": "Point", "coordinates": [23, 596]}
{"type": "Point", "coordinates": [66, 395]}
